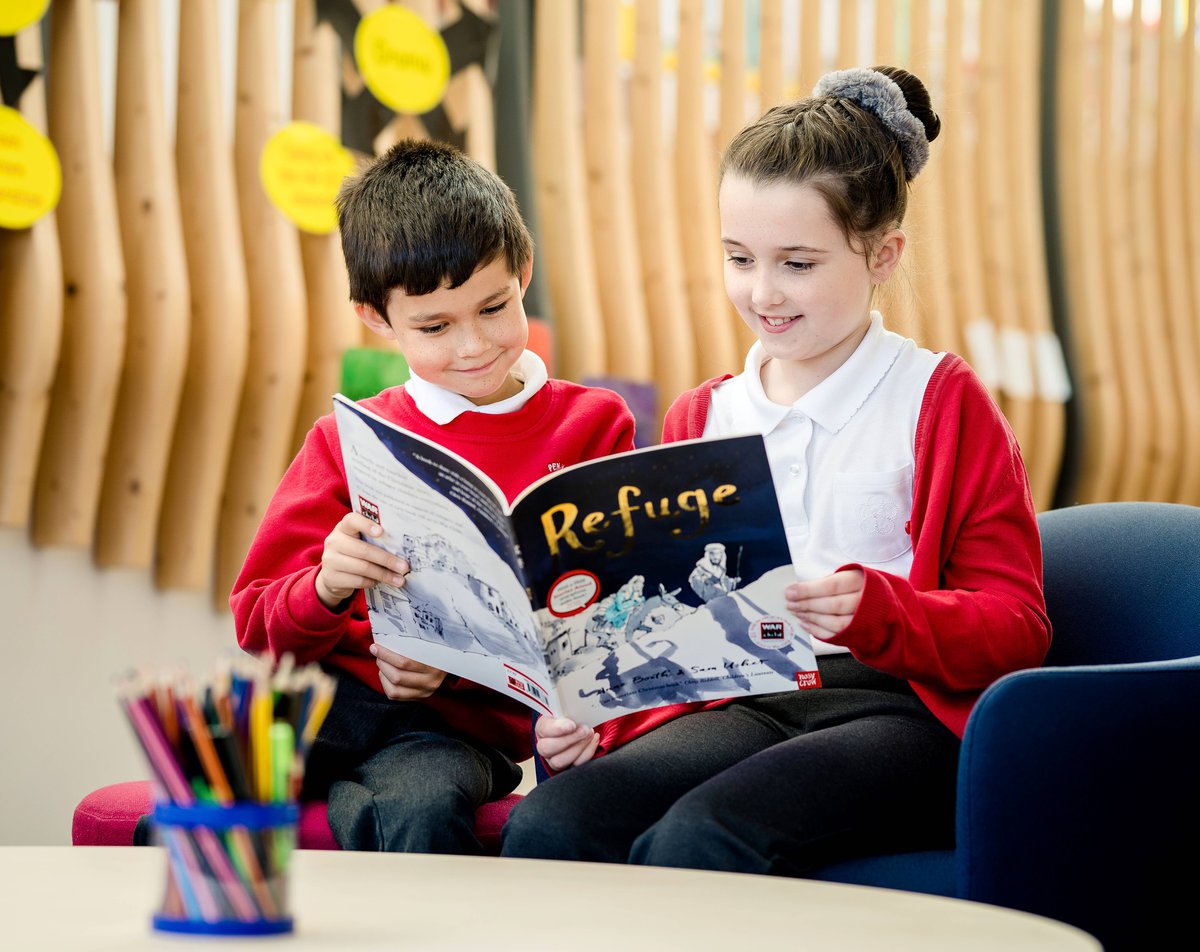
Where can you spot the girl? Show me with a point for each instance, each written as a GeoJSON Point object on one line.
{"type": "Point", "coordinates": [909, 520]}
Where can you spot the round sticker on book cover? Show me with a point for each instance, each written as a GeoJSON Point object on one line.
{"type": "Point", "coordinates": [30, 175]}
{"type": "Point", "coordinates": [772, 631]}
{"type": "Point", "coordinates": [572, 593]}
{"type": "Point", "coordinates": [402, 60]}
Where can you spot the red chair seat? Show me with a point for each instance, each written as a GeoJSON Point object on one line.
{"type": "Point", "coordinates": [108, 817]}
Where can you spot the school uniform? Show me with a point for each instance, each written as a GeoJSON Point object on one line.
{"type": "Point", "coordinates": [899, 464]}
{"type": "Point", "coordinates": [408, 775]}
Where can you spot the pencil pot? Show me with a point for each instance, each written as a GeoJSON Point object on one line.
{"type": "Point", "coordinates": [227, 867]}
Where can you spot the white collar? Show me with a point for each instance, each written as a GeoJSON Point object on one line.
{"type": "Point", "coordinates": [833, 402]}
{"type": "Point", "coordinates": [442, 405]}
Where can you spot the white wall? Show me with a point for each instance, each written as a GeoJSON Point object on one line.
{"type": "Point", "coordinates": [68, 630]}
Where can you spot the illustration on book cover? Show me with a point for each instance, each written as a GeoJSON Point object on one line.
{"type": "Point", "coordinates": [629, 582]}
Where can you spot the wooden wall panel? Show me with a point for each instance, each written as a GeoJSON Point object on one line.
{"type": "Point", "coordinates": [718, 346]}
{"type": "Point", "coordinates": [31, 316]}
{"type": "Point", "coordinates": [156, 287]}
{"type": "Point", "coordinates": [559, 170]}
{"type": "Point", "coordinates": [266, 422]}
{"type": "Point", "coordinates": [333, 327]}
{"type": "Point", "coordinates": [219, 316]}
{"type": "Point", "coordinates": [85, 386]}
{"type": "Point", "coordinates": [607, 159]}
{"type": "Point", "coordinates": [657, 216]}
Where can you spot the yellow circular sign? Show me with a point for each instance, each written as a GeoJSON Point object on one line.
{"type": "Point", "coordinates": [30, 176]}
{"type": "Point", "coordinates": [15, 15]}
{"type": "Point", "coordinates": [402, 60]}
{"type": "Point", "coordinates": [302, 167]}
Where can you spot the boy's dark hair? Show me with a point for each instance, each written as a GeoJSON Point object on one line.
{"type": "Point", "coordinates": [840, 149]}
{"type": "Point", "coordinates": [424, 215]}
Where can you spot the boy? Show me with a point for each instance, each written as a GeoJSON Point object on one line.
{"type": "Point", "coordinates": [438, 259]}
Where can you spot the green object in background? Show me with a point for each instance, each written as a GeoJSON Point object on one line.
{"type": "Point", "coordinates": [366, 371]}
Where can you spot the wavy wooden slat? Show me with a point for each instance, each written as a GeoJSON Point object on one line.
{"type": "Point", "coordinates": [718, 348]}
{"type": "Point", "coordinates": [1048, 419]}
{"type": "Point", "coordinates": [1116, 446]}
{"type": "Point", "coordinates": [31, 321]}
{"type": "Point", "coordinates": [993, 158]}
{"type": "Point", "coordinates": [732, 114]}
{"type": "Point", "coordinates": [656, 215]}
{"type": "Point", "coordinates": [960, 111]}
{"type": "Point", "coordinates": [1181, 309]}
{"type": "Point", "coordinates": [156, 286]}
{"type": "Point", "coordinates": [1077, 148]}
{"type": "Point", "coordinates": [610, 197]}
{"type": "Point", "coordinates": [565, 241]}
{"type": "Point", "coordinates": [937, 328]}
{"type": "Point", "coordinates": [902, 298]}
{"type": "Point", "coordinates": [848, 36]}
{"type": "Point", "coordinates": [220, 323]}
{"type": "Point", "coordinates": [85, 386]}
{"type": "Point", "coordinates": [812, 63]}
{"type": "Point", "coordinates": [770, 54]}
{"type": "Point", "coordinates": [333, 326]}
{"type": "Point", "coordinates": [278, 323]}
{"type": "Point", "coordinates": [1164, 419]}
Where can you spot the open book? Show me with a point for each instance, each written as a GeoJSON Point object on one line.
{"type": "Point", "coordinates": [624, 583]}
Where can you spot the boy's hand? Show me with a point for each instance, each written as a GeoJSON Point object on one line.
{"type": "Point", "coordinates": [404, 679]}
{"type": "Point", "coordinates": [562, 743]}
{"type": "Point", "coordinates": [350, 562]}
{"type": "Point", "coordinates": [826, 605]}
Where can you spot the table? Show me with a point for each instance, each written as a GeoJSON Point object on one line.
{"type": "Point", "coordinates": [101, 898]}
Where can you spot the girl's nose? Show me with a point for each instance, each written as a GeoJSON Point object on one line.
{"type": "Point", "coordinates": [764, 293]}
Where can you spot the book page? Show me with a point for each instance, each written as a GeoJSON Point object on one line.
{"type": "Point", "coordinates": [658, 577]}
{"type": "Point", "coordinates": [464, 607]}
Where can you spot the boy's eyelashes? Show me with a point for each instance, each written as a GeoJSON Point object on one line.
{"type": "Point", "coordinates": [490, 311]}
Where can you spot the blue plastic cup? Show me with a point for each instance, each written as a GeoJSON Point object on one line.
{"type": "Point", "coordinates": [227, 868]}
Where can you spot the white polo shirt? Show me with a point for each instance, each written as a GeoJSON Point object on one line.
{"type": "Point", "coordinates": [842, 455]}
{"type": "Point", "coordinates": [442, 405]}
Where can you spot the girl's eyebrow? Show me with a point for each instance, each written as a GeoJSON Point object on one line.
{"type": "Point", "coordinates": [803, 249]}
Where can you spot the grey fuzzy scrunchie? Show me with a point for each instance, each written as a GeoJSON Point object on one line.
{"type": "Point", "coordinates": [879, 94]}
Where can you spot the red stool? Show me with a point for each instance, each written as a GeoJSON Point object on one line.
{"type": "Point", "coordinates": [108, 817]}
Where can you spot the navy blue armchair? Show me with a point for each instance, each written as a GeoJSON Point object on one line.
{"type": "Point", "coordinates": [1079, 782]}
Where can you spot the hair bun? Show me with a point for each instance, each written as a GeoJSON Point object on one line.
{"type": "Point", "coordinates": [880, 92]}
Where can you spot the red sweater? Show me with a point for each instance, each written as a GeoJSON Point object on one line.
{"type": "Point", "coordinates": [971, 608]}
{"type": "Point", "coordinates": [274, 600]}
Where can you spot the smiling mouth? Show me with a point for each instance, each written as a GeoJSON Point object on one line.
{"type": "Point", "coordinates": [778, 321]}
{"type": "Point", "coordinates": [481, 368]}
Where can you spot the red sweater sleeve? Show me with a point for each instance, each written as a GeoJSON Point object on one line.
{"type": "Point", "coordinates": [972, 608]}
{"type": "Point", "coordinates": [274, 600]}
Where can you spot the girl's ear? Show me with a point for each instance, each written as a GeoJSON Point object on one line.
{"type": "Point", "coordinates": [886, 255]}
{"type": "Point", "coordinates": [374, 320]}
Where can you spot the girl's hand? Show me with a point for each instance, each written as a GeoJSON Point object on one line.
{"type": "Point", "coordinates": [349, 562]}
{"type": "Point", "coordinates": [826, 605]}
{"type": "Point", "coordinates": [404, 679]}
{"type": "Point", "coordinates": [562, 743]}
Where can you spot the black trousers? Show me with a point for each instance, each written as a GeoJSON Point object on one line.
{"type": "Point", "coordinates": [398, 778]}
{"type": "Point", "coordinates": [779, 783]}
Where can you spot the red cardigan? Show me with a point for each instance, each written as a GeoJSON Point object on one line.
{"type": "Point", "coordinates": [274, 601]}
{"type": "Point", "coordinates": [971, 608]}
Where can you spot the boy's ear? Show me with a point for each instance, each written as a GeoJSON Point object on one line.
{"type": "Point", "coordinates": [374, 320]}
{"type": "Point", "coordinates": [886, 255]}
{"type": "Point", "coordinates": [526, 275]}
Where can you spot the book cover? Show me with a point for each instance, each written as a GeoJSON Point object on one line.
{"type": "Point", "coordinates": [629, 582]}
